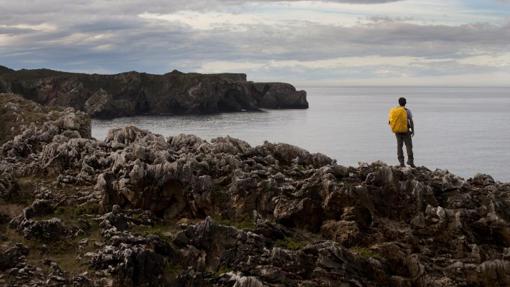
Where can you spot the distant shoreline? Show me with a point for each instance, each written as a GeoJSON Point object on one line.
{"type": "Point", "coordinates": [133, 93]}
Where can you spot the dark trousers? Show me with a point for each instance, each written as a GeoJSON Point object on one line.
{"type": "Point", "coordinates": [405, 138]}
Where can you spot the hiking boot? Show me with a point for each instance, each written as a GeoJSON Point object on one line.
{"type": "Point", "coordinates": [402, 165]}
{"type": "Point", "coordinates": [411, 164]}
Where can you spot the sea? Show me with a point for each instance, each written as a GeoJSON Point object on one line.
{"type": "Point", "coordinates": [463, 130]}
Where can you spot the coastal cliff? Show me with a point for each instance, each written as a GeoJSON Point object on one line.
{"type": "Point", "coordinates": [133, 93]}
{"type": "Point", "coordinates": [139, 209]}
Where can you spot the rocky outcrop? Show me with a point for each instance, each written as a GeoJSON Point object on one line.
{"type": "Point", "coordinates": [10, 257]}
{"type": "Point", "coordinates": [139, 209]}
{"type": "Point", "coordinates": [21, 118]}
{"type": "Point", "coordinates": [280, 96]}
{"type": "Point", "coordinates": [8, 185]}
{"type": "Point", "coordinates": [132, 93]}
{"type": "Point", "coordinates": [4, 70]}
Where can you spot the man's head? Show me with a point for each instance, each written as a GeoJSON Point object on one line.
{"type": "Point", "coordinates": [402, 102]}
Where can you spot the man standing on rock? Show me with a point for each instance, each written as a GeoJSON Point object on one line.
{"type": "Point", "coordinates": [401, 123]}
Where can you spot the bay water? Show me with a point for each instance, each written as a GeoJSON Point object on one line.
{"type": "Point", "coordinates": [464, 130]}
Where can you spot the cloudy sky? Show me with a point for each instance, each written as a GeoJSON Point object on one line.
{"type": "Point", "coordinates": [342, 42]}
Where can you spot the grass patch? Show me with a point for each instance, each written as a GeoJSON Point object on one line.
{"type": "Point", "coordinates": [65, 213]}
{"type": "Point", "coordinates": [62, 251]}
{"type": "Point", "coordinates": [365, 252]}
{"type": "Point", "coordinates": [67, 261]}
{"type": "Point", "coordinates": [88, 208]}
{"type": "Point", "coordinates": [222, 270]}
{"type": "Point", "coordinates": [24, 194]}
{"type": "Point", "coordinates": [74, 213]}
{"type": "Point", "coordinates": [245, 224]}
{"type": "Point", "coordinates": [56, 248]}
{"type": "Point", "coordinates": [172, 271]}
{"type": "Point", "coordinates": [164, 231]}
{"type": "Point", "coordinates": [290, 243]}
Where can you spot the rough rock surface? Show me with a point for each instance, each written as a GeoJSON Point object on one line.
{"type": "Point", "coordinates": [140, 209]}
{"type": "Point", "coordinates": [132, 93]}
{"type": "Point", "coordinates": [4, 69]}
{"type": "Point", "coordinates": [19, 117]}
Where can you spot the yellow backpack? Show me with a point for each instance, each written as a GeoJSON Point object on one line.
{"type": "Point", "coordinates": [398, 120]}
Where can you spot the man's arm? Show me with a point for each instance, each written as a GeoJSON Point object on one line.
{"type": "Point", "coordinates": [410, 121]}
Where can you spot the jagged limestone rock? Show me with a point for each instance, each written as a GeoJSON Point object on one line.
{"type": "Point", "coordinates": [139, 209]}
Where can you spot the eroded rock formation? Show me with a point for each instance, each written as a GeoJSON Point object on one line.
{"type": "Point", "coordinates": [132, 93]}
{"type": "Point", "coordinates": [139, 209]}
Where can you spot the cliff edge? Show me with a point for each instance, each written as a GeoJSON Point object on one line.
{"type": "Point", "coordinates": [133, 93]}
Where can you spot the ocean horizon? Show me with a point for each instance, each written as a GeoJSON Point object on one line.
{"type": "Point", "coordinates": [462, 129]}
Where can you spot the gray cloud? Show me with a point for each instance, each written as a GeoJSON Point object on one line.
{"type": "Point", "coordinates": [104, 36]}
{"type": "Point", "coordinates": [338, 1]}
